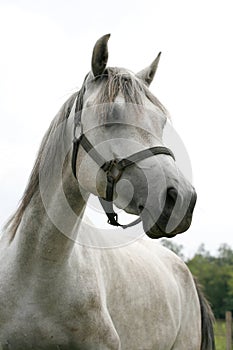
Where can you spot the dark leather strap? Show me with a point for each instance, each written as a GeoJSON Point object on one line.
{"type": "Point", "coordinates": [74, 156]}
{"type": "Point", "coordinates": [119, 164]}
{"type": "Point", "coordinates": [87, 146]}
{"type": "Point", "coordinates": [113, 217]}
{"type": "Point", "coordinates": [113, 169]}
{"type": "Point", "coordinates": [112, 178]}
{"type": "Point", "coordinates": [146, 153]}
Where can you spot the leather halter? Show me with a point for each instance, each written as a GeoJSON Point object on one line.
{"type": "Point", "coordinates": [113, 169]}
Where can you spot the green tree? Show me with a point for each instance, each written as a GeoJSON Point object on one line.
{"type": "Point", "coordinates": [225, 254]}
{"type": "Point", "coordinates": [176, 248]}
{"type": "Point", "coordinates": [216, 276]}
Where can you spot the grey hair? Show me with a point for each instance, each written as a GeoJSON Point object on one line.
{"type": "Point", "coordinates": [46, 154]}
{"type": "Point", "coordinates": [118, 80]}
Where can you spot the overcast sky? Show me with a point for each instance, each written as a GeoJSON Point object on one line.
{"type": "Point", "coordinates": [46, 48]}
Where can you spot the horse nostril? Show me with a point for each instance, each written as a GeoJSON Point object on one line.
{"type": "Point", "coordinates": [171, 198]}
{"type": "Point", "coordinates": [140, 207]}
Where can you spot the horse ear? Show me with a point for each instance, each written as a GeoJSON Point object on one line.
{"type": "Point", "coordinates": [148, 73]}
{"type": "Point", "coordinates": [100, 55]}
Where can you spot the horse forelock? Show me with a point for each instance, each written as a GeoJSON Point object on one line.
{"type": "Point", "coordinates": [133, 90]}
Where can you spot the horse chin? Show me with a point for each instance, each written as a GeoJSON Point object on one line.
{"type": "Point", "coordinates": [156, 232]}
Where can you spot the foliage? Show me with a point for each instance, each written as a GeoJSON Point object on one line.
{"type": "Point", "coordinates": [176, 248]}
{"type": "Point", "coordinates": [220, 335]}
{"type": "Point", "coordinates": [214, 273]}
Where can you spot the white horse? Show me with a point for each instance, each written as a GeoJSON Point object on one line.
{"type": "Point", "coordinates": [58, 288]}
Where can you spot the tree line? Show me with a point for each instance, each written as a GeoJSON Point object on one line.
{"type": "Point", "coordinates": [214, 273]}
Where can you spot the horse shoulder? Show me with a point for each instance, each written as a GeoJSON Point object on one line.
{"type": "Point", "coordinates": [146, 284]}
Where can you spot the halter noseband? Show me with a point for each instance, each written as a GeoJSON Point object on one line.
{"type": "Point", "coordinates": [113, 169]}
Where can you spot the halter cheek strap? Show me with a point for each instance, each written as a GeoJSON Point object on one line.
{"type": "Point", "coordinates": [113, 169]}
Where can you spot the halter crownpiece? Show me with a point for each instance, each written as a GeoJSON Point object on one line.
{"type": "Point", "coordinates": [113, 168]}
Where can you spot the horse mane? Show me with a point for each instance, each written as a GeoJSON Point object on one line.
{"type": "Point", "coordinates": [46, 147]}
{"type": "Point", "coordinates": [115, 80]}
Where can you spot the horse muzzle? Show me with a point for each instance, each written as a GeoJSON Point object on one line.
{"type": "Point", "coordinates": [160, 228]}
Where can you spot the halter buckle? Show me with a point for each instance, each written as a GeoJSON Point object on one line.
{"type": "Point", "coordinates": [114, 220]}
{"type": "Point", "coordinates": [113, 171]}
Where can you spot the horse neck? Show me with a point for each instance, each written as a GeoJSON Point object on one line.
{"type": "Point", "coordinates": [47, 232]}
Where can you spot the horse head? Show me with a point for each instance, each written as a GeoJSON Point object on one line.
{"type": "Point", "coordinates": [122, 120]}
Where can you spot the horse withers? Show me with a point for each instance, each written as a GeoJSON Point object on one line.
{"type": "Point", "coordinates": [65, 283]}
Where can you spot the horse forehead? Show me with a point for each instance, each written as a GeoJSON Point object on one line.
{"type": "Point", "coordinates": [123, 71]}
{"type": "Point", "coordinates": [115, 71]}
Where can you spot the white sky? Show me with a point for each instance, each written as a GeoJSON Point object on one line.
{"type": "Point", "coordinates": [46, 48]}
